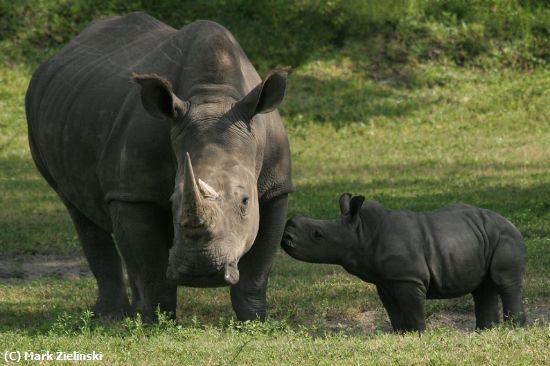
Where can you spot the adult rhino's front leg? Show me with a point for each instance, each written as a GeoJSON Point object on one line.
{"type": "Point", "coordinates": [248, 297]}
{"type": "Point", "coordinates": [142, 233]}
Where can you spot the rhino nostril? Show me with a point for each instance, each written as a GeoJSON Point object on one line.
{"type": "Point", "coordinates": [287, 241]}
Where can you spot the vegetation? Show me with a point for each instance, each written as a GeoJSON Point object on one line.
{"type": "Point", "coordinates": [415, 104]}
{"type": "Point", "coordinates": [288, 32]}
{"type": "Point", "coordinates": [277, 343]}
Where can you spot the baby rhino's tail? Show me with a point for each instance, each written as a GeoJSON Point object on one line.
{"type": "Point", "coordinates": [507, 268]}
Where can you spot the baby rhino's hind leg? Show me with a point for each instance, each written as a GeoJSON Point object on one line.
{"type": "Point", "coordinates": [512, 307]}
{"type": "Point", "coordinates": [507, 268]}
{"type": "Point", "coordinates": [486, 305]}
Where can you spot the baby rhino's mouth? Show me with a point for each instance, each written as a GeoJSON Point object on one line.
{"type": "Point", "coordinates": [287, 241]}
{"type": "Point", "coordinates": [292, 248]}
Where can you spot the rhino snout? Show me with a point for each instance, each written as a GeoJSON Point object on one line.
{"type": "Point", "coordinates": [184, 275]}
{"type": "Point", "coordinates": [291, 228]}
{"type": "Point", "coordinates": [287, 241]}
{"type": "Point", "coordinates": [231, 275]}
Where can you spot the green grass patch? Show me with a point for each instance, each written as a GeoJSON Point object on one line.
{"type": "Point", "coordinates": [276, 343]}
{"type": "Point", "coordinates": [485, 33]}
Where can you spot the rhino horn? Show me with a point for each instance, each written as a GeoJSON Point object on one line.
{"type": "Point", "coordinates": [207, 191]}
{"type": "Point", "coordinates": [195, 194]}
{"type": "Point", "coordinates": [191, 195]}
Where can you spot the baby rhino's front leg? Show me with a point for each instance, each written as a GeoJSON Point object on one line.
{"type": "Point", "coordinates": [404, 302]}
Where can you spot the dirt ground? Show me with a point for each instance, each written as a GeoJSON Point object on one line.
{"type": "Point", "coordinates": [27, 267]}
{"type": "Point", "coordinates": [373, 321]}
{"type": "Point", "coordinates": [22, 268]}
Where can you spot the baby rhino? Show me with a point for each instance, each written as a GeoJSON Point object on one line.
{"type": "Point", "coordinates": [412, 256]}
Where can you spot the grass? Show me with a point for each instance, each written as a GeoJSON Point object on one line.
{"type": "Point", "coordinates": [429, 134]}
{"type": "Point", "coordinates": [511, 33]}
{"type": "Point", "coordinates": [276, 343]}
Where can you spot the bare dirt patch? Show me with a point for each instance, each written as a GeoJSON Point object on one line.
{"type": "Point", "coordinates": [376, 320]}
{"type": "Point", "coordinates": [24, 267]}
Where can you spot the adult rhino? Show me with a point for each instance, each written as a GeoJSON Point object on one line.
{"type": "Point", "coordinates": [189, 170]}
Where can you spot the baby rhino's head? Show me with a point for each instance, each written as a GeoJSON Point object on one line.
{"type": "Point", "coordinates": [325, 241]}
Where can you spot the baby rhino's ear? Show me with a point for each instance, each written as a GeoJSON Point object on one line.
{"type": "Point", "coordinates": [344, 203]}
{"type": "Point", "coordinates": [351, 206]}
{"type": "Point", "coordinates": [355, 206]}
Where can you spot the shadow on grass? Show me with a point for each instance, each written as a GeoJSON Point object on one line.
{"type": "Point", "coordinates": [33, 218]}
{"type": "Point", "coordinates": [281, 33]}
{"type": "Point", "coordinates": [340, 101]}
{"type": "Point", "coordinates": [34, 307]}
{"type": "Point", "coordinates": [38, 320]}
{"type": "Point", "coordinates": [419, 189]}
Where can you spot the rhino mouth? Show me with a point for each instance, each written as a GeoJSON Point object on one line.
{"type": "Point", "coordinates": [226, 276]}
{"type": "Point", "coordinates": [289, 245]}
{"type": "Point", "coordinates": [287, 242]}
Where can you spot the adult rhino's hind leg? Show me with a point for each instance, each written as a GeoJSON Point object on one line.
{"type": "Point", "coordinates": [248, 296]}
{"type": "Point", "coordinates": [104, 261]}
{"type": "Point", "coordinates": [142, 233]}
{"type": "Point", "coordinates": [486, 305]}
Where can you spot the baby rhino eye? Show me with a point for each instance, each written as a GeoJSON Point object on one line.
{"type": "Point", "coordinates": [317, 234]}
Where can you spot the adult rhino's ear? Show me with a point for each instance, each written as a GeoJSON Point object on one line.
{"type": "Point", "coordinates": [157, 96]}
{"type": "Point", "coordinates": [355, 206]}
{"type": "Point", "coordinates": [344, 203]}
{"type": "Point", "coordinates": [265, 97]}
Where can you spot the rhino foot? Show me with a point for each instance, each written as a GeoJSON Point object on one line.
{"type": "Point", "coordinates": [112, 310]}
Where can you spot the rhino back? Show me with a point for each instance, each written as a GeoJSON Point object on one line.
{"type": "Point", "coordinates": [447, 250]}
{"type": "Point", "coordinates": [80, 101]}
{"type": "Point", "coordinates": [458, 249]}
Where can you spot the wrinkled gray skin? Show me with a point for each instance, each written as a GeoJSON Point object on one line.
{"type": "Point", "coordinates": [188, 166]}
{"type": "Point", "coordinates": [412, 256]}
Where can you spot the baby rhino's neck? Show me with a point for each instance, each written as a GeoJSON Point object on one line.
{"type": "Point", "coordinates": [357, 261]}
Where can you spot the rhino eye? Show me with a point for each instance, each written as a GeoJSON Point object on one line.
{"type": "Point", "coordinates": [244, 205]}
{"type": "Point", "coordinates": [317, 235]}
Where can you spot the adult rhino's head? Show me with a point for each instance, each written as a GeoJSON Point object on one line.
{"type": "Point", "coordinates": [325, 241]}
{"type": "Point", "coordinates": [218, 148]}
